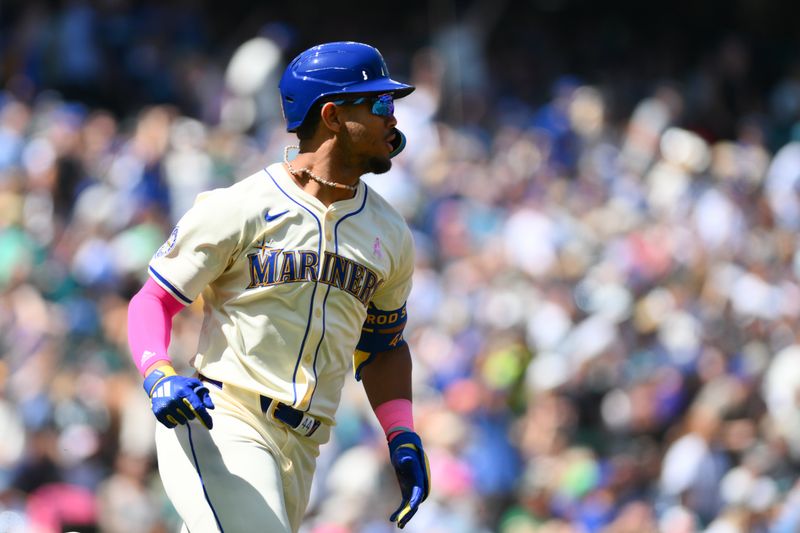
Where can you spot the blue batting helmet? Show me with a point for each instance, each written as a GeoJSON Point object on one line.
{"type": "Point", "coordinates": [330, 69]}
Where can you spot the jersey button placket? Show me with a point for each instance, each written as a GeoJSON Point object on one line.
{"type": "Point", "coordinates": [329, 216]}
{"type": "Point", "coordinates": [327, 221]}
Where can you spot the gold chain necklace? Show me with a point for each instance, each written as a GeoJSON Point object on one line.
{"type": "Point", "coordinates": [311, 174]}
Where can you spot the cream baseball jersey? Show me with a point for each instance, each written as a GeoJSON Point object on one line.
{"type": "Point", "coordinates": [286, 283]}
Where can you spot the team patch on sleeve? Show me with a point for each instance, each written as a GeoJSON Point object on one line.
{"type": "Point", "coordinates": [382, 331]}
{"type": "Point", "coordinates": [168, 245]}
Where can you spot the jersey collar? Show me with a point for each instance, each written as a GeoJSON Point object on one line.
{"type": "Point", "coordinates": [284, 179]}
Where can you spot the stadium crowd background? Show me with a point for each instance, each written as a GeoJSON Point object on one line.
{"type": "Point", "coordinates": [605, 205]}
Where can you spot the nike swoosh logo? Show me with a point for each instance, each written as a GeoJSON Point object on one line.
{"type": "Point", "coordinates": [270, 218]}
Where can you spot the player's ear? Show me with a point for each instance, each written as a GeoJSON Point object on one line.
{"type": "Point", "coordinates": [331, 116]}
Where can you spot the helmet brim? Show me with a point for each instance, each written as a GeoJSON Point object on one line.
{"type": "Point", "coordinates": [378, 86]}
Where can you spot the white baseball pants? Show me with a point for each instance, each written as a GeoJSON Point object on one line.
{"type": "Point", "coordinates": [248, 473]}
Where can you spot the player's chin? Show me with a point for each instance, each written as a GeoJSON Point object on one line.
{"type": "Point", "coordinates": [379, 165]}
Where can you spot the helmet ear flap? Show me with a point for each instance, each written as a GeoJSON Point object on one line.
{"type": "Point", "coordinates": [398, 143]}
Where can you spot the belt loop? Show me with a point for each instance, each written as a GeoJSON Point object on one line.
{"type": "Point", "coordinates": [268, 406]}
{"type": "Point", "coordinates": [266, 403]}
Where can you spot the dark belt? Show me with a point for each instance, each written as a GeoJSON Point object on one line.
{"type": "Point", "coordinates": [299, 421]}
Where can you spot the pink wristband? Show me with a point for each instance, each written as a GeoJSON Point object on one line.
{"type": "Point", "coordinates": [150, 316]}
{"type": "Point", "coordinates": [395, 417]}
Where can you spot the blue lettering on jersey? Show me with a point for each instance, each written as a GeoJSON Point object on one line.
{"type": "Point", "coordinates": [274, 266]}
{"type": "Point", "coordinates": [262, 267]}
{"type": "Point", "coordinates": [289, 270]}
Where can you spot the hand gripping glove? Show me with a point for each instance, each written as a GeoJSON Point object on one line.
{"type": "Point", "coordinates": [413, 474]}
{"type": "Point", "coordinates": [177, 399]}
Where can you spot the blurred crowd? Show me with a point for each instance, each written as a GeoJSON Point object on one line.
{"type": "Point", "coordinates": [604, 318]}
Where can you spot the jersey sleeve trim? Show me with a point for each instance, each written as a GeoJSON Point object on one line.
{"type": "Point", "coordinates": [169, 286]}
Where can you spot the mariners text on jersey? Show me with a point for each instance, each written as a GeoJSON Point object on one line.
{"type": "Point", "coordinates": [273, 266]}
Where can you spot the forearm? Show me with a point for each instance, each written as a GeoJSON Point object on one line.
{"type": "Point", "coordinates": [387, 382]}
{"type": "Point", "coordinates": [388, 376]}
{"type": "Point", "coordinates": [174, 399]}
{"type": "Point", "coordinates": [150, 315]}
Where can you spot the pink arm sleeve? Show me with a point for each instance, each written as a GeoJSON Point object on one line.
{"type": "Point", "coordinates": [395, 417]}
{"type": "Point", "coordinates": [150, 316]}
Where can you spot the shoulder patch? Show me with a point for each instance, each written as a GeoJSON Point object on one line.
{"type": "Point", "coordinates": [168, 245]}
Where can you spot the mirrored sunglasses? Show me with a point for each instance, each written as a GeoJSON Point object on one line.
{"type": "Point", "coordinates": [382, 105]}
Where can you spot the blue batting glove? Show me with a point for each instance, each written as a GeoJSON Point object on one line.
{"type": "Point", "coordinates": [413, 473]}
{"type": "Point", "coordinates": [177, 399]}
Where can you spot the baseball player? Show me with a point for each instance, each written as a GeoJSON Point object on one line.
{"type": "Point", "coordinates": [304, 272]}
